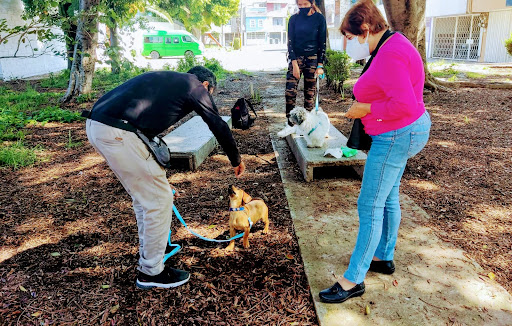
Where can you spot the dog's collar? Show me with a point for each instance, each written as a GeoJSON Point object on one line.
{"type": "Point", "coordinates": [309, 133]}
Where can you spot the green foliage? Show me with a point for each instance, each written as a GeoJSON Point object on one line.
{"type": "Point", "coordinates": [200, 14]}
{"type": "Point", "coordinates": [474, 75]}
{"type": "Point", "coordinates": [17, 155]}
{"type": "Point", "coordinates": [189, 61]}
{"type": "Point", "coordinates": [72, 144]}
{"type": "Point", "coordinates": [448, 72]}
{"type": "Point", "coordinates": [215, 66]}
{"type": "Point", "coordinates": [236, 43]}
{"type": "Point", "coordinates": [60, 80]}
{"type": "Point", "coordinates": [337, 69]}
{"type": "Point", "coordinates": [186, 63]}
{"type": "Point", "coordinates": [508, 44]}
{"type": "Point", "coordinates": [54, 113]}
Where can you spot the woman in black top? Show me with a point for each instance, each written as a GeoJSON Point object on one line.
{"type": "Point", "coordinates": [306, 52]}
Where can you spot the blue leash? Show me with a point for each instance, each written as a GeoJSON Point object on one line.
{"type": "Point", "coordinates": [177, 247]}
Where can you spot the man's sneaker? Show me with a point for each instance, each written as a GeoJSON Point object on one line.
{"type": "Point", "coordinates": [168, 278]}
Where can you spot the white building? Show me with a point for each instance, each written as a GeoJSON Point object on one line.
{"type": "Point", "coordinates": [471, 30]}
{"type": "Point", "coordinates": [14, 68]}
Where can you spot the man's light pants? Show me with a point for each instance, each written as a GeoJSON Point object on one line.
{"type": "Point", "coordinates": [146, 183]}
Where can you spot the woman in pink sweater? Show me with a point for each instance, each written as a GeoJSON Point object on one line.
{"type": "Point", "coordinates": [389, 101]}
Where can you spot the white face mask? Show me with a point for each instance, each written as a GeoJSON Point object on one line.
{"type": "Point", "coordinates": [356, 50]}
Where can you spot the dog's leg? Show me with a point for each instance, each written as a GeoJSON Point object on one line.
{"type": "Point", "coordinates": [265, 219]}
{"type": "Point", "coordinates": [232, 233]}
{"type": "Point", "coordinates": [246, 237]}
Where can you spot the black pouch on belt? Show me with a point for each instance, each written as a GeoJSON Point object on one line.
{"type": "Point", "coordinates": [156, 145]}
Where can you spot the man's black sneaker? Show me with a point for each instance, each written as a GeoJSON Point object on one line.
{"type": "Point", "coordinates": [168, 278]}
{"type": "Point", "coordinates": [382, 266]}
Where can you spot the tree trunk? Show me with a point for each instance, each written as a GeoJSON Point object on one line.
{"type": "Point", "coordinates": [84, 54]}
{"type": "Point", "coordinates": [115, 55]}
{"type": "Point", "coordinates": [321, 6]}
{"type": "Point", "coordinates": [408, 17]}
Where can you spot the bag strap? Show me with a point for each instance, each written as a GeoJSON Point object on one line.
{"type": "Point", "coordinates": [250, 106]}
{"type": "Point", "coordinates": [387, 34]}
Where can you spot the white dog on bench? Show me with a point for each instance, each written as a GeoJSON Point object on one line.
{"type": "Point", "coordinates": [312, 125]}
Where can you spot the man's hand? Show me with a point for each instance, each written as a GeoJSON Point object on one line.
{"type": "Point", "coordinates": [358, 110]}
{"type": "Point", "coordinates": [296, 70]}
{"type": "Point", "coordinates": [239, 170]}
{"type": "Point", "coordinates": [175, 191]}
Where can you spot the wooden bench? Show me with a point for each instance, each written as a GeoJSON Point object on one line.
{"type": "Point", "coordinates": [191, 143]}
{"type": "Point", "coordinates": [313, 159]}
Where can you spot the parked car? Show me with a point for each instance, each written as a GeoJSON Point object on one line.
{"type": "Point", "coordinates": [171, 43]}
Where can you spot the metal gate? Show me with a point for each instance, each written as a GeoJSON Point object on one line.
{"type": "Point", "coordinates": [457, 38]}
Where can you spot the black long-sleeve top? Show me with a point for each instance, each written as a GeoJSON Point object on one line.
{"type": "Point", "coordinates": [154, 101]}
{"type": "Point", "coordinates": [307, 36]}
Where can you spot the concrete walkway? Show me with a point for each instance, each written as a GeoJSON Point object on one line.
{"type": "Point", "coordinates": [434, 284]}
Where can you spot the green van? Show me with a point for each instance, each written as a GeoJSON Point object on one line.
{"type": "Point", "coordinates": [172, 43]}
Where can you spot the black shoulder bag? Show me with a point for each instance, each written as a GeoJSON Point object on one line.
{"type": "Point", "coordinates": [358, 138]}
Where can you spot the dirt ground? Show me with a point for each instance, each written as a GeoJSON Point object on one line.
{"type": "Point", "coordinates": [69, 238]}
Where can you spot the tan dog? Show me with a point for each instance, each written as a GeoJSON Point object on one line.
{"type": "Point", "coordinates": [242, 208]}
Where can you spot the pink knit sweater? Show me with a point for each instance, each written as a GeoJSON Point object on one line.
{"type": "Point", "coordinates": [393, 85]}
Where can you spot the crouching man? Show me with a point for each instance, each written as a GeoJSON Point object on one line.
{"type": "Point", "coordinates": [151, 103]}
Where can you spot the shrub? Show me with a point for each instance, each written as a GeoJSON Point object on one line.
{"type": "Point", "coordinates": [508, 44]}
{"type": "Point", "coordinates": [186, 63]}
{"type": "Point", "coordinates": [215, 66]}
{"type": "Point", "coordinates": [54, 113]}
{"type": "Point", "coordinates": [337, 69]}
{"type": "Point", "coordinates": [236, 43]}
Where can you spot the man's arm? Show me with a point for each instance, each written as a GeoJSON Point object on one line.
{"type": "Point", "coordinates": [204, 106]}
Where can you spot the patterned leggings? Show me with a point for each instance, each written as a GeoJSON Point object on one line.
{"type": "Point", "coordinates": [307, 66]}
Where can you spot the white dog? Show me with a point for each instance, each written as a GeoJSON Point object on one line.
{"type": "Point", "coordinates": [313, 126]}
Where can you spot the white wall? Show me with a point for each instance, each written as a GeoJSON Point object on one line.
{"type": "Point", "coordinates": [498, 30]}
{"type": "Point", "coordinates": [436, 8]}
{"type": "Point", "coordinates": [13, 68]}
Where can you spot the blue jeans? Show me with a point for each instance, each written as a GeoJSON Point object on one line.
{"type": "Point", "coordinates": [378, 204]}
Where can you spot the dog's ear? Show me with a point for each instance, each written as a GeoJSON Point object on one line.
{"type": "Point", "coordinates": [231, 191]}
{"type": "Point", "coordinates": [246, 198]}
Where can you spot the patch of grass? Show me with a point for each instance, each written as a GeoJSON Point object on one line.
{"type": "Point", "coordinates": [474, 75]}
{"type": "Point", "coordinates": [17, 155]}
{"type": "Point", "coordinates": [72, 144]}
{"type": "Point", "coordinates": [59, 80]}
{"type": "Point", "coordinates": [245, 72]}
{"type": "Point", "coordinates": [445, 73]}
{"type": "Point", "coordinates": [452, 78]}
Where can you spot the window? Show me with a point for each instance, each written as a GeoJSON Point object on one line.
{"type": "Point", "coordinates": [277, 21]}
{"type": "Point", "coordinates": [186, 38]}
{"type": "Point", "coordinates": [509, 3]}
{"type": "Point", "coordinates": [252, 23]}
{"type": "Point", "coordinates": [260, 22]}
{"type": "Point", "coordinates": [153, 39]}
{"type": "Point", "coordinates": [277, 6]}
{"type": "Point", "coordinates": [168, 40]}
{"type": "Point", "coordinates": [176, 40]}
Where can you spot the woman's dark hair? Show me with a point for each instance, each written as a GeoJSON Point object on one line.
{"type": "Point", "coordinates": [363, 12]}
{"type": "Point", "coordinates": [315, 7]}
{"type": "Point", "coordinates": [204, 74]}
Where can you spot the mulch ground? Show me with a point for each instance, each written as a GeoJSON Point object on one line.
{"type": "Point", "coordinates": [69, 238]}
{"type": "Point", "coordinates": [70, 247]}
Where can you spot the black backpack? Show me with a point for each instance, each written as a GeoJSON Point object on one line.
{"type": "Point", "coordinates": [240, 116]}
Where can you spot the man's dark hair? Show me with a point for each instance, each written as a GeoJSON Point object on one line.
{"type": "Point", "coordinates": [204, 74]}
